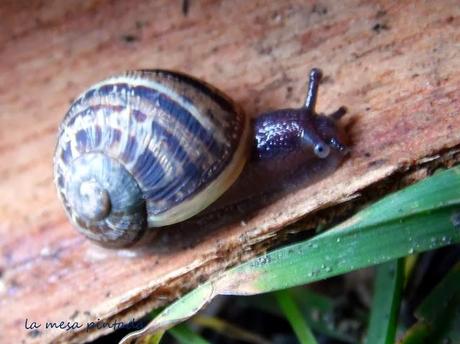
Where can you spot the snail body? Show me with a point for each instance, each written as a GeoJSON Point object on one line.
{"type": "Point", "coordinates": [147, 149]}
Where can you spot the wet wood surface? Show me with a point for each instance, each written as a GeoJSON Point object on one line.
{"type": "Point", "coordinates": [394, 64]}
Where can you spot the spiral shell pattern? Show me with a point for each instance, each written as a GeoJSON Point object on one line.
{"type": "Point", "coordinates": [146, 149]}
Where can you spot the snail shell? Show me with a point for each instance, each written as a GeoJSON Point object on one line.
{"type": "Point", "coordinates": [146, 149]}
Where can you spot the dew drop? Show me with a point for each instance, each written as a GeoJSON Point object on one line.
{"type": "Point", "coordinates": [455, 219]}
{"type": "Point", "coordinates": [315, 314]}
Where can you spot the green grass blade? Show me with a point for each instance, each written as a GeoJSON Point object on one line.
{"type": "Point", "coordinates": [294, 316]}
{"type": "Point", "coordinates": [341, 252]}
{"type": "Point", "coordinates": [154, 338]}
{"type": "Point", "coordinates": [440, 297]}
{"type": "Point", "coordinates": [385, 304]}
{"type": "Point", "coordinates": [452, 332]}
{"type": "Point", "coordinates": [353, 245]}
{"type": "Point", "coordinates": [184, 335]}
{"type": "Point", "coordinates": [417, 334]}
{"type": "Point", "coordinates": [318, 310]}
{"type": "Point", "coordinates": [227, 329]}
{"type": "Point", "coordinates": [439, 313]}
{"type": "Point", "coordinates": [435, 192]}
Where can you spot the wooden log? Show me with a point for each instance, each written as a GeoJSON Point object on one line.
{"type": "Point", "coordinates": [394, 64]}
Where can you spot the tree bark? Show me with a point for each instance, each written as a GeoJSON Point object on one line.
{"type": "Point", "coordinates": [394, 64]}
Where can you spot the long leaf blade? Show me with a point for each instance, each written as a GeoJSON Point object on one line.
{"type": "Point", "coordinates": [385, 305]}
{"type": "Point", "coordinates": [294, 316]}
{"type": "Point", "coordinates": [184, 335]}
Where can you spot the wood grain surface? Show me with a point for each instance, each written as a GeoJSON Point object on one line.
{"type": "Point", "coordinates": [394, 64]}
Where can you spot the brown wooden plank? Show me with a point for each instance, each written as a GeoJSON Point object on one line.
{"type": "Point", "coordinates": [396, 65]}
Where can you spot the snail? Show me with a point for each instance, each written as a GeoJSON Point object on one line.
{"type": "Point", "coordinates": [151, 148]}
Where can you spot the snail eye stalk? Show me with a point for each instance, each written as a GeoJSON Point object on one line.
{"type": "Point", "coordinates": [312, 90]}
